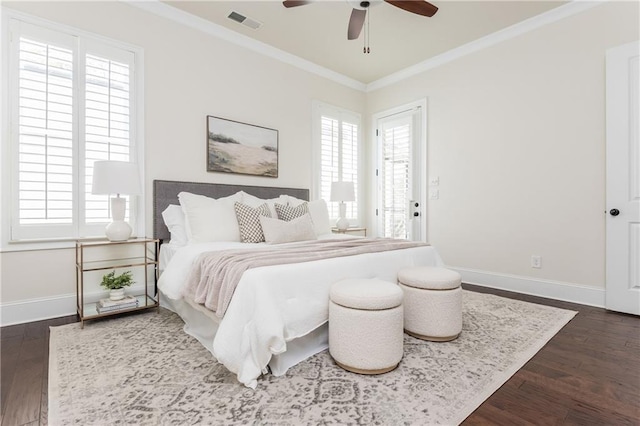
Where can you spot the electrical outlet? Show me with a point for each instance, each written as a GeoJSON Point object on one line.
{"type": "Point", "coordinates": [434, 181]}
{"type": "Point", "coordinates": [434, 194]}
{"type": "Point", "coordinates": [536, 261]}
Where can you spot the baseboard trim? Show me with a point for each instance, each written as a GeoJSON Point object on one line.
{"type": "Point", "coordinates": [568, 292]}
{"type": "Point", "coordinates": [44, 308]}
{"type": "Point", "coordinates": [37, 309]}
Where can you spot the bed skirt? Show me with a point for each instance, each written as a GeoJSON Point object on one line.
{"type": "Point", "coordinates": [202, 324]}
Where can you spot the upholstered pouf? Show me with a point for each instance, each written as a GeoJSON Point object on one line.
{"type": "Point", "coordinates": [365, 325]}
{"type": "Point", "coordinates": [432, 302]}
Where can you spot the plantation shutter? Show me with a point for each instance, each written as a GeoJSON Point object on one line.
{"type": "Point", "coordinates": [329, 160]}
{"type": "Point", "coordinates": [71, 101]}
{"type": "Point", "coordinates": [396, 172]}
{"type": "Point", "coordinates": [107, 122]}
{"type": "Point", "coordinates": [45, 120]}
{"type": "Point", "coordinates": [349, 169]}
{"type": "Point", "coordinates": [339, 156]}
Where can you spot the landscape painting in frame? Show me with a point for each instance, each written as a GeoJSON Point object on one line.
{"type": "Point", "coordinates": [235, 147]}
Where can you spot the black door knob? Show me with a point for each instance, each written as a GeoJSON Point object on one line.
{"type": "Point", "coordinates": [416, 214]}
{"type": "Point", "coordinates": [614, 212]}
{"type": "Point", "coordinates": [417, 205]}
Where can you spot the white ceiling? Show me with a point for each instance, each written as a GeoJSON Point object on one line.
{"type": "Point", "coordinates": [398, 39]}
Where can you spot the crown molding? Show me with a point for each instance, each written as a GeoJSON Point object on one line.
{"type": "Point", "coordinates": [164, 10]}
{"type": "Point", "coordinates": [535, 22]}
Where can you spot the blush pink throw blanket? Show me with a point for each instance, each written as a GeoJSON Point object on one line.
{"type": "Point", "coordinates": [215, 275]}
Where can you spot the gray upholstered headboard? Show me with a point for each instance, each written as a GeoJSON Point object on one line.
{"type": "Point", "coordinates": [166, 192]}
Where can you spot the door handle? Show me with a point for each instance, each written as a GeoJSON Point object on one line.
{"type": "Point", "coordinates": [614, 212]}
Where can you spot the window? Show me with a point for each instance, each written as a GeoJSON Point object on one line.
{"type": "Point", "coordinates": [338, 155]}
{"type": "Point", "coordinates": [72, 102]}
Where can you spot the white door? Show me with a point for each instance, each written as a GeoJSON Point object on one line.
{"type": "Point", "coordinates": [401, 174]}
{"type": "Point", "coordinates": [623, 179]}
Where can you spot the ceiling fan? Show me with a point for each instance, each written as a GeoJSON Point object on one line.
{"type": "Point", "coordinates": [359, 12]}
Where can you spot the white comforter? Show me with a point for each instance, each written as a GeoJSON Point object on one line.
{"type": "Point", "coordinates": [274, 305]}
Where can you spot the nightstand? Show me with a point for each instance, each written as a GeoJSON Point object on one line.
{"type": "Point", "coordinates": [354, 231]}
{"type": "Point", "coordinates": [97, 258]}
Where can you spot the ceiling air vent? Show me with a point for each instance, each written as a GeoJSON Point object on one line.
{"type": "Point", "coordinates": [241, 19]}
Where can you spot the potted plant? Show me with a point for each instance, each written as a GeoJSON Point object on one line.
{"type": "Point", "coordinates": [116, 284]}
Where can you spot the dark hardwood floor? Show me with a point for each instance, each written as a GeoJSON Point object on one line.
{"type": "Point", "coordinates": [588, 374]}
{"type": "Point", "coordinates": [24, 360]}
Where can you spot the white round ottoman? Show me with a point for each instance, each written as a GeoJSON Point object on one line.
{"type": "Point", "coordinates": [365, 325]}
{"type": "Point", "coordinates": [432, 302]}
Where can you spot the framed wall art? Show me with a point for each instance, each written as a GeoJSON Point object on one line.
{"type": "Point", "coordinates": [235, 147]}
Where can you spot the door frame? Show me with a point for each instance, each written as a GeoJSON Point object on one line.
{"type": "Point", "coordinates": [422, 164]}
{"type": "Point", "coordinates": [618, 270]}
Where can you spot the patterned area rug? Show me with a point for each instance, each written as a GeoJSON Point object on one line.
{"type": "Point", "coordinates": [143, 369]}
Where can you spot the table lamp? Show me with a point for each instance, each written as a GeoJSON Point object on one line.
{"type": "Point", "coordinates": [342, 191]}
{"type": "Point", "coordinates": [116, 177]}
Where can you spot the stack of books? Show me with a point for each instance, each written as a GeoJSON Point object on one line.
{"type": "Point", "coordinates": [108, 305]}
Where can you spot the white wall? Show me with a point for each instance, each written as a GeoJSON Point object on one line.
{"type": "Point", "coordinates": [188, 75]}
{"type": "Point", "coordinates": [517, 137]}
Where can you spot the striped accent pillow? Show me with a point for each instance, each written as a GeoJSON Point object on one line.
{"type": "Point", "coordinates": [288, 213]}
{"type": "Point", "coordinates": [249, 221]}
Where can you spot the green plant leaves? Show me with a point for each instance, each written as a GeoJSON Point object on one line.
{"type": "Point", "coordinates": [112, 282]}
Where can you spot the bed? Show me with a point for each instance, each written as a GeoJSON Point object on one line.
{"type": "Point", "coordinates": [278, 314]}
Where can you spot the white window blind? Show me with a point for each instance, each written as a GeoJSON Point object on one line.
{"type": "Point", "coordinates": [339, 156]}
{"type": "Point", "coordinates": [45, 147]}
{"type": "Point", "coordinates": [396, 172]}
{"type": "Point", "coordinates": [74, 98]}
{"type": "Point", "coordinates": [107, 118]}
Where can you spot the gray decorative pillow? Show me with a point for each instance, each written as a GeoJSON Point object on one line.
{"type": "Point", "coordinates": [288, 213]}
{"type": "Point", "coordinates": [249, 221]}
{"type": "Point", "coordinates": [278, 231]}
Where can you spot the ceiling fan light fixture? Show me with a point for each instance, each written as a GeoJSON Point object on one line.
{"type": "Point", "coordinates": [363, 5]}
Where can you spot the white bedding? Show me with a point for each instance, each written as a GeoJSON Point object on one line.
{"type": "Point", "coordinates": [274, 305]}
{"type": "Point", "coordinates": [167, 250]}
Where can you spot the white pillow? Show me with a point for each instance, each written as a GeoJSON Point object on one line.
{"type": "Point", "coordinates": [174, 219]}
{"type": "Point", "coordinates": [208, 219]}
{"type": "Point", "coordinates": [253, 201]}
{"type": "Point", "coordinates": [278, 231]}
{"type": "Point", "coordinates": [320, 216]}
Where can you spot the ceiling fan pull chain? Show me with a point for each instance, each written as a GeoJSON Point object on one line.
{"type": "Point", "coordinates": [364, 40]}
{"type": "Point", "coordinates": [364, 36]}
{"type": "Point", "coordinates": [368, 31]}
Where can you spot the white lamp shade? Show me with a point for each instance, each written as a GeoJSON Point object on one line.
{"type": "Point", "coordinates": [115, 177]}
{"type": "Point", "coordinates": [342, 191]}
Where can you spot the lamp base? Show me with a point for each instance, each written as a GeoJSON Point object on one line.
{"type": "Point", "coordinates": [342, 223]}
{"type": "Point", "coordinates": [118, 230]}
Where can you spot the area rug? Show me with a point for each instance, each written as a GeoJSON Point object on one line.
{"type": "Point", "coordinates": [143, 369]}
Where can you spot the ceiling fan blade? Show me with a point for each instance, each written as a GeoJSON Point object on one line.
{"type": "Point", "coordinates": [356, 22]}
{"type": "Point", "coordinates": [294, 3]}
{"type": "Point", "coordinates": [418, 7]}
